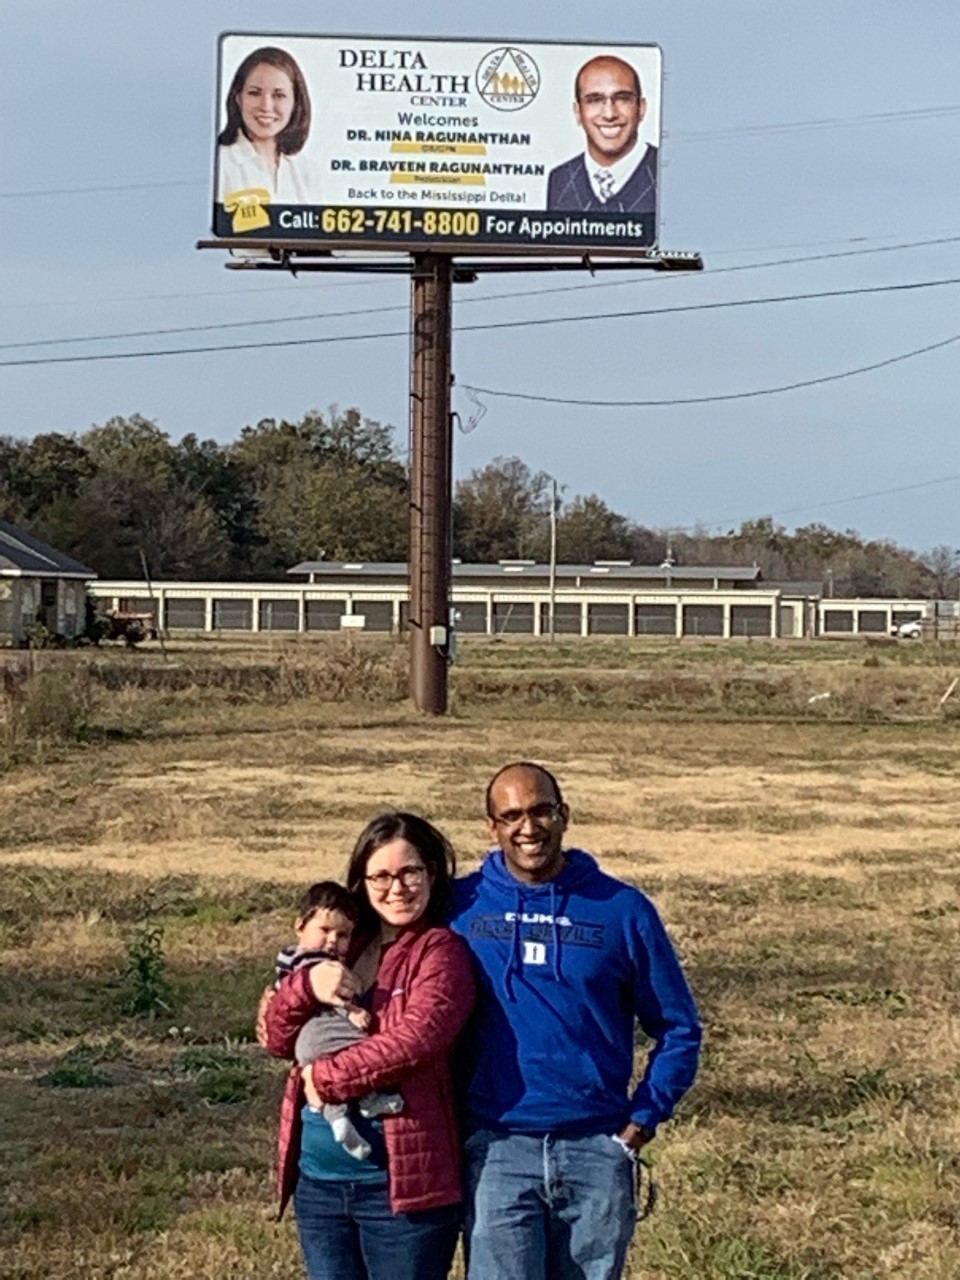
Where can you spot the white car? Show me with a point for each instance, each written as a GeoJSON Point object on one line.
{"type": "Point", "coordinates": [912, 630]}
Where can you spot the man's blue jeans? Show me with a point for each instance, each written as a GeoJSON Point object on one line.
{"type": "Point", "coordinates": [548, 1208]}
{"type": "Point", "coordinates": [348, 1232]}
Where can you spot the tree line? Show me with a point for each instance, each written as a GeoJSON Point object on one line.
{"type": "Point", "coordinates": [333, 486]}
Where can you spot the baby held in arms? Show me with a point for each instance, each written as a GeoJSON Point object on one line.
{"type": "Point", "coordinates": [324, 927]}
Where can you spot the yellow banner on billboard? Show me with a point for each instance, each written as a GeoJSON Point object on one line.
{"type": "Point", "coordinates": [446, 179]}
{"type": "Point", "coordinates": [439, 148]}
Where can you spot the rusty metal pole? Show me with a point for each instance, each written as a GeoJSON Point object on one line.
{"type": "Point", "coordinates": [431, 480]}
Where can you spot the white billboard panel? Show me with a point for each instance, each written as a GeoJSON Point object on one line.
{"type": "Point", "coordinates": [390, 142]}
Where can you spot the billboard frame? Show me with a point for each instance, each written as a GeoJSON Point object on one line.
{"type": "Point", "coordinates": [306, 255]}
{"type": "Point", "coordinates": [433, 268]}
{"type": "Point", "coordinates": [435, 246]}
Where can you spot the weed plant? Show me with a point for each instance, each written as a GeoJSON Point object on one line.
{"type": "Point", "coordinates": [146, 989]}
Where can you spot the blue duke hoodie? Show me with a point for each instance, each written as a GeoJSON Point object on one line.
{"type": "Point", "coordinates": [564, 969]}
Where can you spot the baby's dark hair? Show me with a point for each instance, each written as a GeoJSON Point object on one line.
{"type": "Point", "coordinates": [327, 895]}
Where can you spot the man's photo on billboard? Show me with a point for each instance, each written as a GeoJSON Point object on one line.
{"type": "Point", "coordinates": [617, 170]}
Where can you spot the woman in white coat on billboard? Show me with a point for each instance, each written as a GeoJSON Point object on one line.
{"type": "Point", "coordinates": [268, 120]}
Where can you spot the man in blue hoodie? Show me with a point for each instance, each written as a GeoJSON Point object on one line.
{"type": "Point", "coordinates": [568, 960]}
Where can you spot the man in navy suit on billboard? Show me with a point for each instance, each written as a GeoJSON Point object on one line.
{"type": "Point", "coordinates": [617, 173]}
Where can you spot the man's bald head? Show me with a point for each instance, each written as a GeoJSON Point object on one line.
{"type": "Point", "coordinates": [523, 766]}
{"type": "Point", "coordinates": [607, 62]}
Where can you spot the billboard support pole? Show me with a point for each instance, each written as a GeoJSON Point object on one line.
{"type": "Point", "coordinates": [450, 218]}
{"type": "Point", "coordinates": [431, 479]}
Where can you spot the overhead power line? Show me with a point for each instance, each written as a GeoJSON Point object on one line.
{"type": "Point", "coordinates": [106, 186]}
{"type": "Point", "coordinates": [197, 351]}
{"type": "Point", "coordinates": [491, 325]}
{"type": "Point", "coordinates": [688, 307]}
{"type": "Point", "coordinates": [219, 327]}
{"type": "Point", "coordinates": [90, 302]}
{"type": "Point", "coordinates": [832, 502]}
{"type": "Point", "coordinates": [908, 116]}
{"type": "Point", "coordinates": [300, 284]}
{"type": "Point", "coordinates": [714, 399]}
{"type": "Point", "coordinates": [465, 301]}
{"type": "Point", "coordinates": [469, 328]}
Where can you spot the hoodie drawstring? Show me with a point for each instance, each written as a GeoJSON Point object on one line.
{"type": "Point", "coordinates": [499, 881]}
{"type": "Point", "coordinates": [555, 913]}
{"type": "Point", "coordinates": [513, 961]}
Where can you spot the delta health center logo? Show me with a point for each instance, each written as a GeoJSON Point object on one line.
{"type": "Point", "coordinates": [508, 78]}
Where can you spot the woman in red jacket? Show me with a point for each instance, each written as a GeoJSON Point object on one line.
{"type": "Point", "coordinates": [396, 1214]}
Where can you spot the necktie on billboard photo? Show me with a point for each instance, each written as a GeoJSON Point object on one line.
{"type": "Point", "coordinates": [605, 183]}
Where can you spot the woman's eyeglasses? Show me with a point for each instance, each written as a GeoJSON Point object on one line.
{"type": "Point", "coordinates": [381, 882]}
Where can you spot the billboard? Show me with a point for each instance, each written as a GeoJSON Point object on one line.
{"type": "Point", "coordinates": [420, 143]}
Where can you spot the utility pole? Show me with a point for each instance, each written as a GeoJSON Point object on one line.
{"type": "Point", "coordinates": [553, 559]}
{"type": "Point", "coordinates": [431, 479]}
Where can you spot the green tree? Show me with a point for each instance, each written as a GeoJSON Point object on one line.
{"type": "Point", "coordinates": [348, 439]}
{"type": "Point", "coordinates": [347, 515]}
{"type": "Point", "coordinates": [12, 505]}
{"type": "Point", "coordinates": [647, 546]}
{"type": "Point", "coordinates": [942, 565]}
{"type": "Point", "coordinates": [501, 512]}
{"type": "Point", "coordinates": [135, 502]}
{"type": "Point", "coordinates": [588, 530]}
{"type": "Point", "coordinates": [324, 486]}
{"type": "Point", "coordinates": [207, 468]}
{"type": "Point", "coordinates": [121, 440]}
{"type": "Point", "coordinates": [53, 469]}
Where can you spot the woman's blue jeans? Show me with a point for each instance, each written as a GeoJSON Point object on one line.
{"type": "Point", "coordinates": [348, 1232]}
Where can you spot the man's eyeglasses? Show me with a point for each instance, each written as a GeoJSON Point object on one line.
{"type": "Point", "coordinates": [381, 882]}
{"type": "Point", "coordinates": [514, 818]}
{"type": "Point", "coordinates": [624, 98]}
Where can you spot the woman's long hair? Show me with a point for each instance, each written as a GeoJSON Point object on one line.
{"type": "Point", "coordinates": [433, 847]}
{"type": "Point", "coordinates": [292, 138]}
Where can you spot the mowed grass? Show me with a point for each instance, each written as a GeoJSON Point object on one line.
{"type": "Point", "coordinates": [807, 864]}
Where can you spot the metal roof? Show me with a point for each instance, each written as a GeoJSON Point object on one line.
{"type": "Point", "coordinates": [796, 587]}
{"type": "Point", "coordinates": [23, 555]}
{"type": "Point", "coordinates": [531, 569]}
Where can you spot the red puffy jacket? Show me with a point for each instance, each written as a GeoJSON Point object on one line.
{"type": "Point", "coordinates": [421, 998]}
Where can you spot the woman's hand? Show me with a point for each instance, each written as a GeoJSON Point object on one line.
{"type": "Point", "coordinates": [310, 1089]}
{"type": "Point", "coordinates": [333, 983]}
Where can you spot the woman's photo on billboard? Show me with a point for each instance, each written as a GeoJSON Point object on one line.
{"type": "Point", "coordinates": [267, 124]}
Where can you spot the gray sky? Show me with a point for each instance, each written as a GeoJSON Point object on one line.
{"type": "Point", "coordinates": [119, 94]}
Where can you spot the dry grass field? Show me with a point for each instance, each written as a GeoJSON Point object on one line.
{"type": "Point", "coordinates": [793, 809]}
